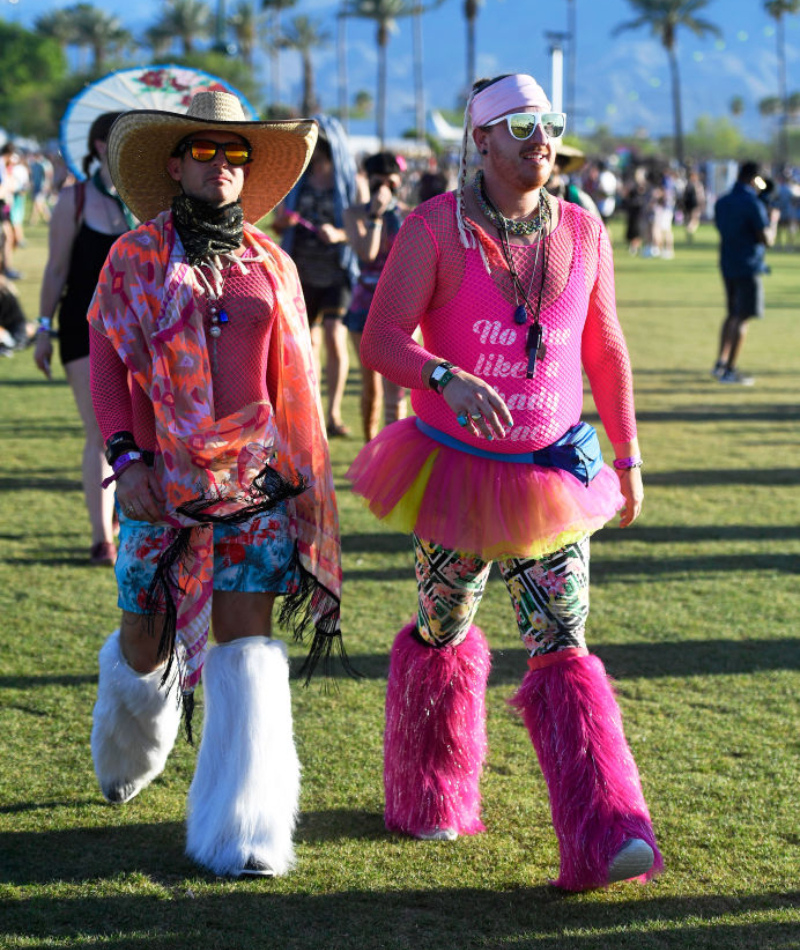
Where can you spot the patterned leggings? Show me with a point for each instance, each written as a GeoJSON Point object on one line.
{"type": "Point", "coordinates": [550, 595]}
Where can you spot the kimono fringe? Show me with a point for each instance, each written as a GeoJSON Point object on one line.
{"type": "Point", "coordinates": [268, 489]}
{"type": "Point", "coordinates": [312, 605]}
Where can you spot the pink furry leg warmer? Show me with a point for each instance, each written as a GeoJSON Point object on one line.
{"type": "Point", "coordinates": [435, 740]}
{"type": "Point", "coordinates": [596, 800]}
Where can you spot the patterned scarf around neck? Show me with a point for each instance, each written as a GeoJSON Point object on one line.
{"type": "Point", "coordinates": [206, 231]}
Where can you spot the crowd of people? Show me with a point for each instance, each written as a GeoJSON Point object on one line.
{"type": "Point", "coordinates": [193, 344]}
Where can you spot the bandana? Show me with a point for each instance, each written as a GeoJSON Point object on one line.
{"type": "Point", "coordinates": [506, 95]}
{"type": "Point", "coordinates": [206, 231]}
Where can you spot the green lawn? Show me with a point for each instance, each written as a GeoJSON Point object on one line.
{"type": "Point", "coordinates": [694, 612]}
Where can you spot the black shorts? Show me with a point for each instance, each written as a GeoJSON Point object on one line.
{"type": "Point", "coordinates": [745, 297]}
{"type": "Point", "coordinates": [324, 303]}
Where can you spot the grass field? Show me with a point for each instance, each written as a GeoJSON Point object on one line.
{"type": "Point", "coordinates": [694, 611]}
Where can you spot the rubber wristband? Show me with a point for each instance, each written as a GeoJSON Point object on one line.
{"type": "Point", "coordinates": [122, 464]}
{"type": "Point", "coordinates": [123, 461]}
{"type": "Point", "coordinates": [633, 461]}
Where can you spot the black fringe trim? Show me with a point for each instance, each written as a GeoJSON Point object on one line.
{"type": "Point", "coordinates": [188, 712]}
{"type": "Point", "coordinates": [313, 606]}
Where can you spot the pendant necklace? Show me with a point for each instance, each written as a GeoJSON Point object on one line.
{"type": "Point", "coordinates": [534, 346]}
{"type": "Point", "coordinates": [217, 314]}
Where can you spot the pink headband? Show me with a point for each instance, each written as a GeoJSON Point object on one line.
{"type": "Point", "coordinates": [506, 95]}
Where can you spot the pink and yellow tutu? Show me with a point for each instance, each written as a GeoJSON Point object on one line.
{"type": "Point", "coordinates": [482, 506]}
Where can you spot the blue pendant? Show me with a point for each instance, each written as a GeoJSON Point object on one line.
{"type": "Point", "coordinates": [223, 317]}
{"type": "Point", "coordinates": [520, 315]}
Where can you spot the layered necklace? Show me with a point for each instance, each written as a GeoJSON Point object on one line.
{"type": "Point", "coordinates": [523, 309]}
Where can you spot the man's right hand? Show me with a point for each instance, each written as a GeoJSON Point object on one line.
{"type": "Point", "coordinates": [486, 413]}
{"type": "Point", "coordinates": [139, 494]}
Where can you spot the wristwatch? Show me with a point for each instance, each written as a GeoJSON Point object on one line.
{"type": "Point", "coordinates": [442, 375]}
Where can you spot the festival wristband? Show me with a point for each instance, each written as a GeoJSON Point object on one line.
{"type": "Point", "coordinates": [121, 464]}
{"type": "Point", "coordinates": [633, 461]}
{"type": "Point", "coordinates": [46, 326]}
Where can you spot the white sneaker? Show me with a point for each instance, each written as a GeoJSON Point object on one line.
{"type": "Point", "coordinates": [732, 377]}
{"type": "Point", "coordinates": [438, 834]}
{"type": "Point", "coordinates": [635, 857]}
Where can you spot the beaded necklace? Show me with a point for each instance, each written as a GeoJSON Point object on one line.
{"type": "Point", "coordinates": [521, 228]}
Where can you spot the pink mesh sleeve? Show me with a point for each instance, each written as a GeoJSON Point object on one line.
{"type": "Point", "coordinates": [117, 407]}
{"type": "Point", "coordinates": [111, 397]}
{"type": "Point", "coordinates": [605, 355]}
{"type": "Point", "coordinates": [406, 287]}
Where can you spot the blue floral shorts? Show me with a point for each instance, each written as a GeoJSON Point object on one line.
{"type": "Point", "coordinates": [252, 557]}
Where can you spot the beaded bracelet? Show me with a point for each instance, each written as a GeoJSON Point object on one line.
{"type": "Point", "coordinates": [633, 461]}
{"type": "Point", "coordinates": [46, 326]}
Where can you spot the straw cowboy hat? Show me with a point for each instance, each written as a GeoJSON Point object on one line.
{"type": "Point", "coordinates": [142, 141]}
{"type": "Point", "coordinates": [569, 158]}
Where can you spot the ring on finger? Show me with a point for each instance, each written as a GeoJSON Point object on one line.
{"type": "Point", "coordinates": [461, 419]}
{"type": "Point", "coordinates": [476, 415]}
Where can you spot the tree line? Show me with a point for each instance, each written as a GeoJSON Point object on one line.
{"type": "Point", "coordinates": [36, 83]}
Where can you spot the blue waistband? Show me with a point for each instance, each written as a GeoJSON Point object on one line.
{"type": "Point", "coordinates": [577, 451]}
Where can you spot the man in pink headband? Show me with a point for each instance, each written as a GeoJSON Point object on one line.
{"type": "Point", "coordinates": [514, 293]}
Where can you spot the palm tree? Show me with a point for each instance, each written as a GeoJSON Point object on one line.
{"type": "Point", "coordinates": [665, 18]}
{"type": "Point", "coordinates": [778, 9]}
{"type": "Point", "coordinates": [736, 105]}
{"type": "Point", "coordinates": [244, 22]}
{"type": "Point", "coordinates": [59, 26]}
{"type": "Point", "coordinates": [187, 21]}
{"type": "Point", "coordinates": [471, 8]}
{"type": "Point", "coordinates": [158, 39]}
{"type": "Point", "coordinates": [98, 31]}
{"type": "Point", "coordinates": [341, 60]}
{"type": "Point", "coordinates": [272, 43]}
{"type": "Point", "coordinates": [385, 13]}
{"type": "Point", "coordinates": [306, 35]}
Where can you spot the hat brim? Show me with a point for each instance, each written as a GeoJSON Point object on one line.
{"type": "Point", "coordinates": [141, 142]}
{"type": "Point", "coordinates": [569, 158]}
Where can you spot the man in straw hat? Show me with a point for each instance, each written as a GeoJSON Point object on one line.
{"type": "Point", "coordinates": [204, 389]}
{"type": "Point", "coordinates": [514, 293]}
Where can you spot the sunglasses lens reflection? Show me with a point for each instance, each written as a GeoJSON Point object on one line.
{"type": "Point", "coordinates": [206, 152]}
{"type": "Point", "coordinates": [553, 124]}
{"type": "Point", "coordinates": [237, 156]}
{"type": "Point", "coordinates": [522, 125]}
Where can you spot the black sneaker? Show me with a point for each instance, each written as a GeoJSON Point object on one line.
{"type": "Point", "coordinates": [255, 868]}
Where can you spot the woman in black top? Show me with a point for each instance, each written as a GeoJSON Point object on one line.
{"type": "Point", "coordinates": [86, 221]}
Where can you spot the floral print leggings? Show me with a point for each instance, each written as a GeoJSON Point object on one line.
{"type": "Point", "coordinates": [550, 595]}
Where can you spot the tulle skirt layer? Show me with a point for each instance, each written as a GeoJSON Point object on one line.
{"type": "Point", "coordinates": [486, 507]}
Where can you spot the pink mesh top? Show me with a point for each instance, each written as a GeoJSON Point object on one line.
{"type": "Point", "coordinates": [466, 316]}
{"type": "Point", "coordinates": [240, 360]}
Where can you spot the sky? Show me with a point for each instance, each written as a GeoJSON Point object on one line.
{"type": "Point", "coordinates": [620, 81]}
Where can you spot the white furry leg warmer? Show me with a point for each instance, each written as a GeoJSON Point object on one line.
{"type": "Point", "coordinates": [134, 725]}
{"type": "Point", "coordinates": [244, 797]}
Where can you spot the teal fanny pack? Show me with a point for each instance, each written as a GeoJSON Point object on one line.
{"type": "Point", "coordinates": [577, 451]}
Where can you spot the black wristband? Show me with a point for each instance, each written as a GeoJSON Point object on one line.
{"type": "Point", "coordinates": [118, 444]}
